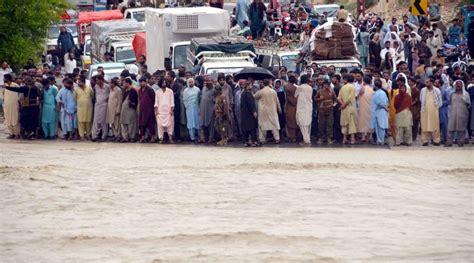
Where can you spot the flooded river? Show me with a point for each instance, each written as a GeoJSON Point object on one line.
{"type": "Point", "coordinates": [105, 202]}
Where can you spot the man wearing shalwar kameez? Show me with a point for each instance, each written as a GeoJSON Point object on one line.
{"type": "Point", "coordinates": [114, 106]}
{"type": "Point", "coordinates": [363, 109]}
{"type": "Point", "coordinates": [379, 112]}
{"type": "Point", "coordinates": [84, 96]}
{"type": "Point", "coordinates": [459, 103]}
{"type": "Point", "coordinates": [99, 126]}
{"type": "Point", "coordinates": [68, 104]}
{"type": "Point", "coordinates": [164, 110]}
{"type": "Point", "coordinates": [11, 108]}
{"type": "Point", "coordinates": [146, 101]}
{"type": "Point", "coordinates": [191, 104]}
{"type": "Point", "coordinates": [268, 109]}
{"type": "Point", "coordinates": [128, 113]}
{"type": "Point", "coordinates": [431, 101]}
{"type": "Point", "coordinates": [304, 108]}
{"type": "Point", "coordinates": [48, 111]}
{"type": "Point", "coordinates": [346, 99]}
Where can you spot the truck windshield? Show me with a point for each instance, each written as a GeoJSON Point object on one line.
{"type": "Point", "coordinates": [125, 55]}
{"type": "Point", "coordinates": [139, 16]}
{"type": "Point", "coordinates": [289, 62]}
{"type": "Point", "coordinates": [180, 55]}
{"type": "Point", "coordinates": [53, 31]}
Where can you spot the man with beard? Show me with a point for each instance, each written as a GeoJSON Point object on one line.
{"type": "Point", "coordinates": [207, 111]}
{"type": "Point", "coordinates": [268, 109]}
{"type": "Point", "coordinates": [99, 124]}
{"type": "Point", "coordinates": [164, 110]}
{"type": "Point", "coordinates": [146, 101]}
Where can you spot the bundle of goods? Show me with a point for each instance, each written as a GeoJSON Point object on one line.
{"type": "Point", "coordinates": [333, 41]}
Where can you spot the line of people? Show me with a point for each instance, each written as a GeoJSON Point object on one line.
{"type": "Point", "coordinates": [319, 104]}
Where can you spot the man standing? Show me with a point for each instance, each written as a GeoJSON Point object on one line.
{"type": "Point", "coordinates": [363, 110]}
{"type": "Point", "coordinates": [99, 125]}
{"type": "Point", "coordinates": [379, 112]}
{"type": "Point", "coordinates": [164, 110]}
{"type": "Point", "coordinates": [146, 101]}
{"type": "Point", "coordinates": [84, 96]}
{"type": "Point", "coordinates": [326, 98]}
{"type": "Point", "coordinates": [65, 43]}
{"type": "Point", "coordinates": [431, 101]}
{"type": "Point", "coordinates": [114, 106]}
{"type": "Point", "coordinates": [346, 99]}
{"type": "Point", "coordinates": [268, 109]}
{"type": "Point", "coordinates": [403, 117]}
{"type": "Point", "coordinates": [30, 110]}
{"type": "Point", "coordinates": [248, 116]}
{"type": "Point", "coordinates": [221, 111]}
{"type": "Point", "coordinates": [241, 11]}
{"type": "Point", "coordinates": [227, 92]}
{"type": "Point", "coordinates": [11, 108]}
{"type": "Point", "coordinates": [207, 110]}
{"type": "Point", "coordinates": [290, 108]}
{"type": "Point", "coordinates": [191, 104]}
{"type": "Point", "coordinates": [458, 113]}
{"type": "Point", "coordinates": [48, 111]}
{"type": "Point", "coordinates": [67, 101]}
{"type": "Point", "coordinates": [304, 109]}
{"type": "Point", "coordinates": [128, 113]}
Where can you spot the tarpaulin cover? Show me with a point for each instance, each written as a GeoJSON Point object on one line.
{"type": "Point", "coordinates": [89, 17]}
{"type": "Point", "coordinates": [100, 29]}
{"type": "Point", "coordinates": [139, 44]}
{"type": "Point", "coordinates": [226, 45]}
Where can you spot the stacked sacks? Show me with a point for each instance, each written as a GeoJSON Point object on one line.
{"type": "Point", "coordinates": [334, 41]}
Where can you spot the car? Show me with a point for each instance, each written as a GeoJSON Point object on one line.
{"type": "Point", "coordinates": [86, 57]}
{"type": "Point", "coordinates": [111, 70]}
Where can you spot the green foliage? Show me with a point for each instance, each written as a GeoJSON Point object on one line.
{"type": "Point", "coordinates": [23, 28]}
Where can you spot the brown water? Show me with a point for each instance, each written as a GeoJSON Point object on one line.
{"type": "Point", "coordinates": [84, 202]}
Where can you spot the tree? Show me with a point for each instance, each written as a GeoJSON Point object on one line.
{"type": "Point", "coordinates": [24, 26]}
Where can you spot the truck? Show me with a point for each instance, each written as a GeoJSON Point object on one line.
{"type": "Point", "coordinates": [229, 55]}
{"type": "Point", "coordinates": [115, 37]}
{"type": "Point", "coordinates": [85, 19]}
{"type": "Point", "coordinates": [168, 32]}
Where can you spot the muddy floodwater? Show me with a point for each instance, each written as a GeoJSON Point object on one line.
{"type": "Point", "coordinates": [107, 202]}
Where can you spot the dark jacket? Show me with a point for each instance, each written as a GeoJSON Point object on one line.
{"type": "Point", "coordinates": [247, 108]}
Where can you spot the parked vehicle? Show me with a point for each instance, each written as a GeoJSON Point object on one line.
{"type": "Point", "coordinates": [209, 56]}
{"type": "Point", "coordinates": [85, 19]}
{"type": "Point", "coordinates": [169, 30]}
{"type": "Point", "coordinates": [111, 70]}
{"type": "Point", "coordinates": [86, 53]}
{"type": "Point", "coordinates": [114, 37]}
{"type": "Point", "coordinates": [136, 13]}
{"type": "Point", "coordinates": [273, 59]}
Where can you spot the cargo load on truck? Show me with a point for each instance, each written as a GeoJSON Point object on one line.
{"type": "Point", "coordinates": [220, 55]}
{"type": "Point", "coordinates": [139, 44]}
{"type": "Point", "coordinates": [85, 20]}
{"type": "Point", "coordinates": [334, 40]}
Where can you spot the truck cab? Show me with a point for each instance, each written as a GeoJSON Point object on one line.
{"type": "Point", "coordinates": [136, 13]}
{"type": "Point", "coordinates": [273, 59]}
{"type": "Point", "coordinates": [122, 52]}
{"type": "Point", "coordinates": [177, 55]}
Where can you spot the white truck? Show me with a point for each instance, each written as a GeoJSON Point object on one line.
{"type": "Point", "coordinates": [229, 55]}
{"type": "Point", "coordinates": [115, 37]}
{"type": "Point", "coordinates": [169, 31]}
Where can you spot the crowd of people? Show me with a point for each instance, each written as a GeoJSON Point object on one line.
{"type": "Point", "coordinates": [405, 88]}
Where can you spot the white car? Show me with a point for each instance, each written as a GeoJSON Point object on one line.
{"type": "Point", "coordinates": [111, 70]}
